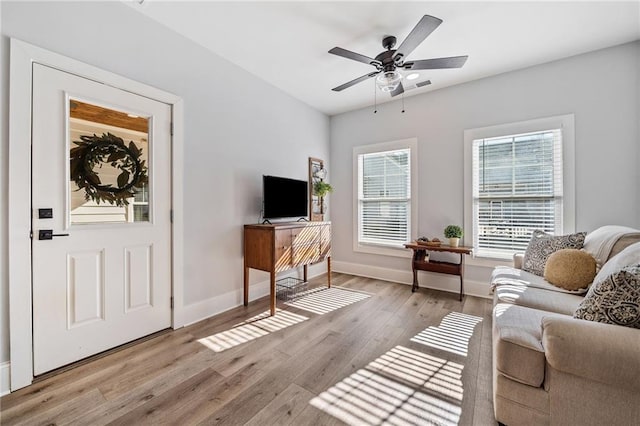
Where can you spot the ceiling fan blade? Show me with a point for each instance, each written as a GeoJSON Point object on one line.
{"type": "Point", "coordinates": [355, 81]}
{"type": "Point", "coordinates": [398, 90]}
{"type": "Point", "coordinates": [411, 87]}
{"type": "Point", "coordinates": [423, 28]}
{"type": "Point", "coordinates": [353, 55]}
{"type": "Point", "coordinates": [437, 63]}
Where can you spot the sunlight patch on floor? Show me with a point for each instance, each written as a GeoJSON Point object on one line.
{"type": "Point", "coordinates": [251, 329]}
{"type": "Point", "coordinates": [452, 335]}
{"type": "Point", "coordinates": [324, 300]}
{"type": "Point", "coordinates": [402, 387]}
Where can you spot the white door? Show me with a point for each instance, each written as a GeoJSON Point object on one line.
{"type": "Point", "coordinates": [101, 162]}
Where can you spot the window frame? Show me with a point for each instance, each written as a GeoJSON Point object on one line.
{"type": "Point", "coordinates": [390, 250]}
{"type": "Point", "coordinates": [564, 122]}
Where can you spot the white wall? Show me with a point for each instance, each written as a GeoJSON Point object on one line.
{"type": "Point", "coordinates": [237, 127]}
{"type": "Point", "coordinates": [600, 88]}
{"type": "Point", "coordinates": [4, 273]}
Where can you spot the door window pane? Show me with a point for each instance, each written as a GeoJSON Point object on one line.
{"type": "Point", "coordinates": [108, 165]}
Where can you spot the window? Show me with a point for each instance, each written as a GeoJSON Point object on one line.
{"type": "Point", "coordinates": [141, 204]}
{"type": "Point", "coordinates": [385, 187]}
{"type": "Point", "coordinates": [518, 183]}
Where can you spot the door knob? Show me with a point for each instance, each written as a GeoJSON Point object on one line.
{"type": "Point", "coordinates": [47, 234]}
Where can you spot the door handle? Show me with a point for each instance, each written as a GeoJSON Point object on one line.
{"type": "Point", "coordinates": [47, 234]}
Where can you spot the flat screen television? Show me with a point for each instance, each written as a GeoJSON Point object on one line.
{"type": "Point", "coordinates": [284, 198]}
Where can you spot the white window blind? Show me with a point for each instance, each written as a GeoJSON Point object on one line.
{"type": "Point", "coordinates": [384, 198]}
{"type": "Point", "coordinates": [517, 187]}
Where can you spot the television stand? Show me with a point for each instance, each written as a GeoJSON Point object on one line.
{"type": "Point", "coordinates": [283, 246]}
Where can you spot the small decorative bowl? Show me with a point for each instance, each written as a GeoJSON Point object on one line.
{"type": "Point", "coordinates": [430, 243]}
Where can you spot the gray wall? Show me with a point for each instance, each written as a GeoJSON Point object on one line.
{"type": "Point", "coordinates": [600, 88]}
{"type": "Point", "coordinates": [237, 127]}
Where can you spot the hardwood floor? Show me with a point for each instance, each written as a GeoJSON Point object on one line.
{"type": "Point", "coordinates": [365, 352]}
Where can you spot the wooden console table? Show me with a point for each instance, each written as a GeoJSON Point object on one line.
{"type": "Point", "coordinates": [421, 262]}
{"type": "Point", "coordinates": [282, 246]}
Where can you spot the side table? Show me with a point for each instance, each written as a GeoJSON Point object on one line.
{"type": "Point", "coordinates": [421, 262]}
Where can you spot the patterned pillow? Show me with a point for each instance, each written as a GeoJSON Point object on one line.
{"type": "Point", "coordinates": [615, 300]}
{"type": "Point", "coordinates": [542, 245]}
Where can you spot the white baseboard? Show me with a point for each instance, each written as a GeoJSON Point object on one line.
{"type": "Point", "coordinates": [216, 305]}
{"type": "Point", "coordinates": [426, 279]}
{"type": "Point", "coordinates": [5, 378]}
{"type": "Point", "coordinates": [207, 308]}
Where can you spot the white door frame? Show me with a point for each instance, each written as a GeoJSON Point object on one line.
{"type": "Point", "coordinates": [23, 55]}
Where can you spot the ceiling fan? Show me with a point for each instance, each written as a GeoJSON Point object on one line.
{"type": "Point", "coordinates": [391, 60]}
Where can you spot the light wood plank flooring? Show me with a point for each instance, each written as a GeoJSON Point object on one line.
{"type": "Point", "coordinates": [365, 352]}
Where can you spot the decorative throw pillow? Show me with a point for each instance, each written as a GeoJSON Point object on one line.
{"type": "Point", "coordinates": [570, 269]}
{"type": "Point", "coordinates": [542, 245]}
{"type": "Point", "coordinates": [616, 300]}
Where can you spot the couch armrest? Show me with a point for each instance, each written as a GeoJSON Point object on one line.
{"type": "Point", "coordinates": [602, 352]}
{"type": "Point", "coordinates": [518, 258]}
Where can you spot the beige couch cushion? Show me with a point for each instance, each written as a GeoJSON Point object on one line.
{"type": "Point", "coordinates": [536, 298]}
{"type": "Point", "coordinates": [517, 342]}
{"type": "Point", "coordinates": [508, 275]}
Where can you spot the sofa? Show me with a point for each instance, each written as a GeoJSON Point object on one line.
{"type": "Point", "coordinates": [550, 368]}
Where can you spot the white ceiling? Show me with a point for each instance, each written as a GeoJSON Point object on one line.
{"type": "Point", "coordinates": [286, 43]}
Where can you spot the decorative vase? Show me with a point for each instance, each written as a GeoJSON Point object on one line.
{"type": "Point", "coordinates": [454, 242]}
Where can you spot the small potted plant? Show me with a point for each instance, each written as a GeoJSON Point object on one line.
{"type": "Point", "coordinates": [320, 190]}
{"type": "Point", "coordinates": [453, 233]}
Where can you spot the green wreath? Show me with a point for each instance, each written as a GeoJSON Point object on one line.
{"type": "Point", "coordinates": [92, 152]}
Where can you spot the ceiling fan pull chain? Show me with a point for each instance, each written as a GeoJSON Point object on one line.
{"type": "Point", "coordinates": [403, 102]}
{"type": "Point", "coordinates": [375, 98]}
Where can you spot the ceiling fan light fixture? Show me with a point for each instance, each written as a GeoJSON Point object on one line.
{"type": "Point", "coordinates": [413, 76]}
{"type": "Point", "coordinates": [388, 81]}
